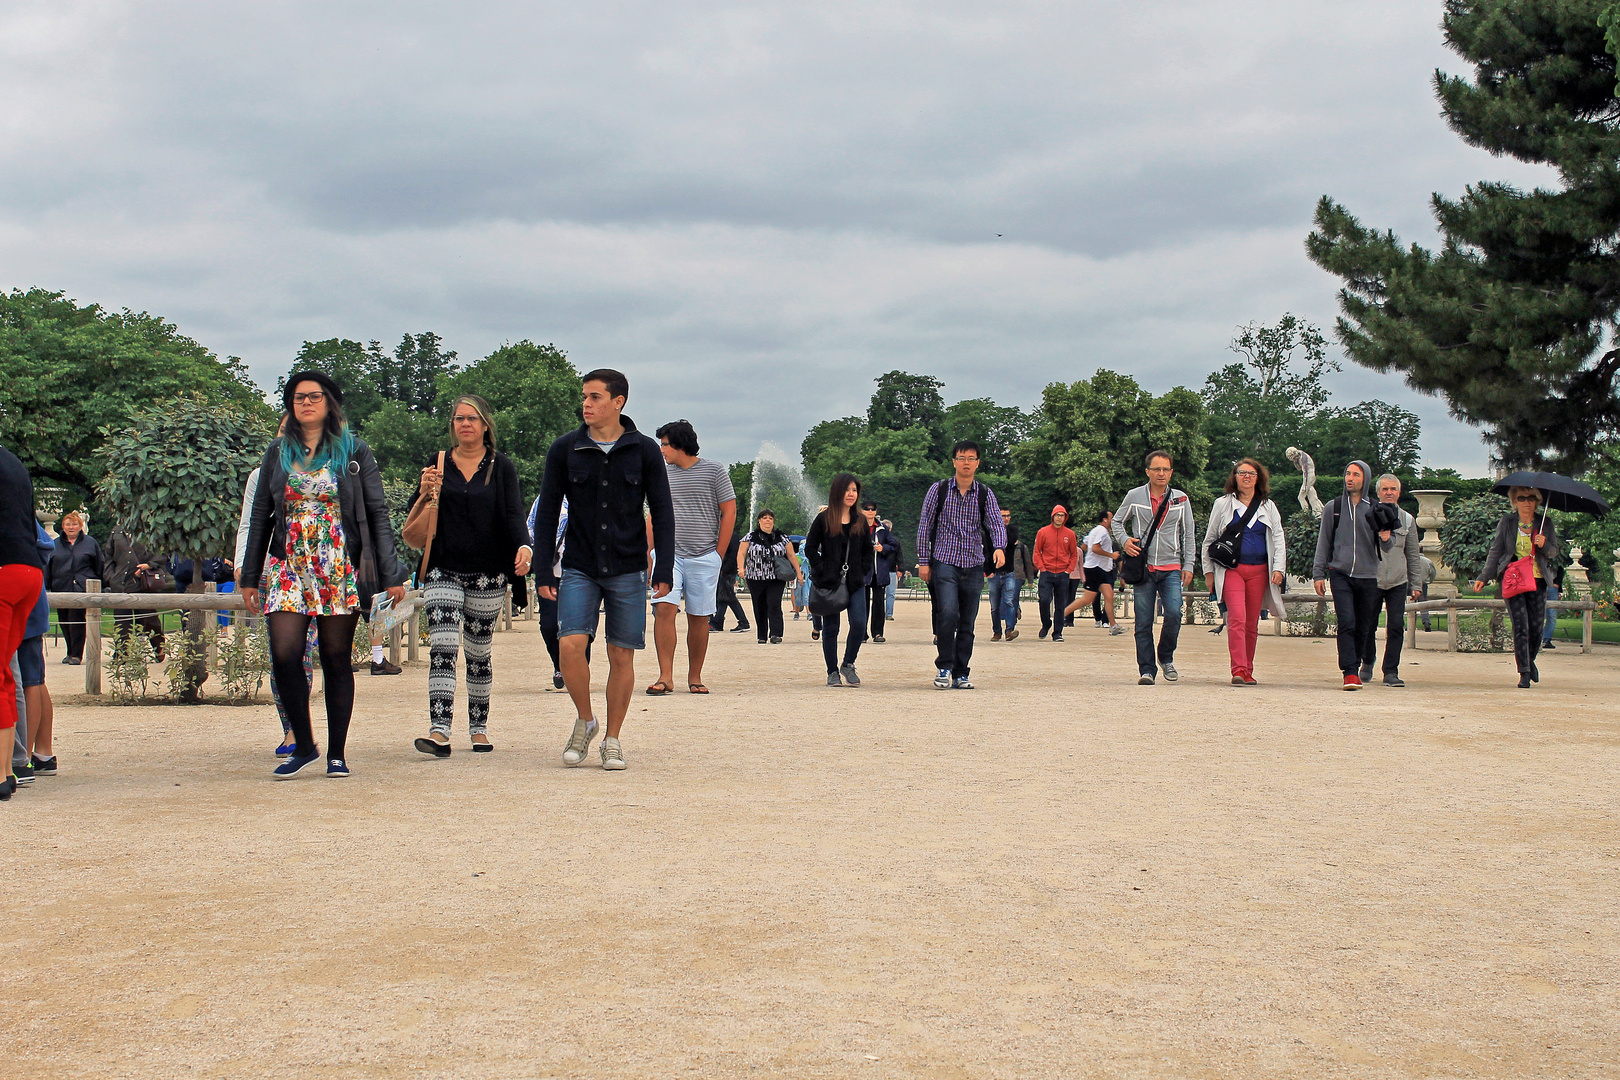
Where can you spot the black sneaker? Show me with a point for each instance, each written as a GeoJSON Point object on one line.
{"type": "Point", "coordinates": [24, 773]}
{"type": "Point", "coordinates": [557, 679]}
{"type": "Point", "coordinates": [1044, 632]}
{"type": "Point", "coordinates": [43, 766]}
{"type": "Point", "coordinates": [743, 629]}
{"type": "Point", "coordinates": [385, 668]}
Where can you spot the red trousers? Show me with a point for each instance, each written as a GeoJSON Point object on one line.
{"type": "Point", "coordinates": [1243, 590]}
{"type": "Point", "coordinates": [19, 592]}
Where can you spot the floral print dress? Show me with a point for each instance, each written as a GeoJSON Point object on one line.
{"type": "Point", "coordinates": [314, 577]}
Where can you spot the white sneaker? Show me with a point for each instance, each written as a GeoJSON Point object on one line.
{"type": "Point", "coordinates": [612, 755]}
{"type": "Point", "coordinates": [942, 679]}
{"type": "Point", "coordinates": [579, 743]}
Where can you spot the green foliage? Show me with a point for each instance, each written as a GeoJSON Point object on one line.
{"type": "Point", "coordinates": [402, 441]}
{"type": "Point", "coordinates": [1259, 408]}
{"type": "Point", "coordinates": [174, 476]}
{"type": "Point", "coordinates": [996, 428]}
{"type": "Point", "coordinates": [129, 668]}
{"type": "Point", "coordinates": [533, 391]}
{"type": "Point", "coordinates": [244, 661]}
{"type": "Point", "coordinates": [398, 494]}
{"type": "Point", "coordinates": [1097, 433]}
{"type": "Point", "coordinates": [742, 482]}
{"type": "Point", "coordinates": [903, 401]}
{"type": "Point", "coordinates": [1506, 318]}
{"type": "Point", "coordinates": [1609, 19]}
{"type": "Point", "coordinates": [1465, 538]}
{"type": "Point", "coordinates": [874, 452]}
{"type": "Point", "coordinates": [353, 367]}
{"type": "Point", "coordinates": [68, 374]}
{"type": "Point", "coordinates": [1385, 436]}
{"type": "Point", "coordinates": [1302, 528]}
{"type": "Point", "coordinates": [828, 435]}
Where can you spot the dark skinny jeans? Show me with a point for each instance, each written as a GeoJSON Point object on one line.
{"type": "Point", "coordinates": [830, 625]}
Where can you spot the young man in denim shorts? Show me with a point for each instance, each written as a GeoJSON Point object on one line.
{"type": "Point", "coordinates": [705, 513]}
{"type": "Point", "coordinates": [607, 470]}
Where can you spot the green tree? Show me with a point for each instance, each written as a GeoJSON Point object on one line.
{"type": "Point", "coordinates": [826, 435]}
{"type": "Point", "coordinates": [1259, 407]}
{"type": "Point", "coordinates": [352, 366]}
{"type": "Point", "coordinates": [1098, 432]}
{"type": "Point", "coordinates": [1385, 436]}
{"type": "Point", "coordinates": [411, 376]}
{"type": "Point", "coordinates": [68, 373]}
{"type": "Point", "coordinates": [902, 401]}
{"type": "Point", "coordinates": [174, 476]}
{"type": "Point", "coordinates": [1506, 319]}
{"type": "Point", "coordinates": [996, 428]}
{"type": "Point", "coordinates": [874, 452]}
{"type": "Point", "coordinates": [533, 391]}
{"type": "Point", "coordinates": [1465, 538]}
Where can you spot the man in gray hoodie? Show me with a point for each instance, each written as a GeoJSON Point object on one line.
{"type": "Point", "coordinates": [1400, 572]}
{"type": "Point", "coordinates": [1170, 560]}
{"type": "Point", "coordinates": [1348, 552]}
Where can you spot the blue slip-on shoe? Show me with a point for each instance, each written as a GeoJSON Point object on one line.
{"type": "Point", "coordinates": [295, 765]}
{"type": "Point", "coordinates": [286, 749]}
{"type": "Point", "coordinates": [337, 767]}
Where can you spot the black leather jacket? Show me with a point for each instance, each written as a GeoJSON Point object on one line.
{"type": "Point", "coordinates": [366, 527]}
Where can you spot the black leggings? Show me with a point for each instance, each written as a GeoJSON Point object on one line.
{"type": "Point", "coordinates": [335, 635]}
{"type": "Point", "coordinates": [767, 597]}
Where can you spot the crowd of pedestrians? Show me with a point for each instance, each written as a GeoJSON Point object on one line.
{"type": "Point", "coordinates": [620, 516]}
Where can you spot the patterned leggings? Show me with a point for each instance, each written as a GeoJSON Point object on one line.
{"type": "Point", "coordinates": [461, 611]}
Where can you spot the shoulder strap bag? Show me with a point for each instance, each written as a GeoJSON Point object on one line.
{"type": "Point", "coordinates": [1133, 569]}
{"type": "Point", "coordinates": [423, 523]}
{"type": "Point", "coordinates": [1228, 547]}
{"type": "Point", "coordinates": [832, 601]}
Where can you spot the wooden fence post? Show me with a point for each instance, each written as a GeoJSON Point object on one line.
{"type": "Point", "coordinates": [1586, 629]}
{"type": "Point", "coordinates": [210, 629]}
{"type": "Point", "coordinates": [92, 642]}
{"type": "Point", "coordinates": [506, 609]}
{"type": "Point", "coordinates": [1451, 626]}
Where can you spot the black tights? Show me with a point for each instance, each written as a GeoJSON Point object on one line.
{"type": "Point", "coordinates": [335, 635]}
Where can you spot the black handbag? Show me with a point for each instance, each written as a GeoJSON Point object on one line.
{"type": "Point", "coordinates": [1133, 569]}
{"type": "Point", "coordinates": [831, 601]}
{"type": "Point", "coordinates": [1228, 547]}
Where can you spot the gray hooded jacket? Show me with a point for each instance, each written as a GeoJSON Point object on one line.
{"type": "Point", "coordinates": [1347, 542]}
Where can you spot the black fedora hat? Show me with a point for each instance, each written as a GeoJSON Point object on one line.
{"type": "Point", "coordinates": [321, 377]}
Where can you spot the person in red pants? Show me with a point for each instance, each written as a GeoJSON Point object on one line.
{"type": "Point", "coordinates": [1256, 581]}
{"type": "Point", "coordinates": [22, 574]}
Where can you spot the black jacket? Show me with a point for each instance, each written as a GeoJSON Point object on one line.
{"type": "Point", "coordinates": [1505, 548]}
{"type": "Point", "coordinates": [607, 536]}
{"type": "Point", "coordinates": [488, 546]}
{"type": "Point", "coordinates": [826, 552]}
{"type": "Point", "coordinates": [18, 529]}
{"type": "Point", "coordinates": [123, 556]}
{"type": "Point", "coordinates": [881, 564]}
{"type": "Point", "coordinates": [1007, 565]}
{"type": "Point", "coordinates": [366, 527]}
{"type": "Point", "coordinates": [74, 564]}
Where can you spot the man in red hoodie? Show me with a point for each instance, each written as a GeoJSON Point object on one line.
{"type": "Point", "coordinates": [1056, 553]}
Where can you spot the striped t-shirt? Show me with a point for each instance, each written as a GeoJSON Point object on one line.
{"type": "Point", "coordinates": [697, 493]}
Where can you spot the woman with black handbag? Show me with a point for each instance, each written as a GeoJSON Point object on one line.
{"type": "Point", "coordinates": [768, 563]}
{"type": "Point", "coordinates": [840, 554]}
{"type": "Point", "coordinates": [317, 484]}
{"type": "Point", "coordinates": [1245, 555]}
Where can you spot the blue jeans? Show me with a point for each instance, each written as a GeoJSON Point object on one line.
{"type": "Point", "coordinates": [857, 631]}
{"type": "Point", "coordinates": [1003, 601]}
{"type": "Point", "coordinates": [1160, 585]}
{"type": "Point", "coordinates": [1552, 616]}
{"type": "Point", "coordinates": [954, 593]}
{"type": "Point", "coordinates": [888, 599]}
{"type": "Point", "coordinates": [580, 597]}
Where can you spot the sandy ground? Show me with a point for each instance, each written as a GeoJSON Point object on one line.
{"type": "Point", "coordinates": [1058, 874]}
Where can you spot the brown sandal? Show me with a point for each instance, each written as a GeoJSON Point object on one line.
{"type": "Point", "coordinates": [696, 688]}
{"type": "Point", "coordinates": [659, 689]}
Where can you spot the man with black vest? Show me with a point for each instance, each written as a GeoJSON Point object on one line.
{"type": "Point", "coordinates": [958, 515]}
{"type": "Point", "coordinates": [607, 470]}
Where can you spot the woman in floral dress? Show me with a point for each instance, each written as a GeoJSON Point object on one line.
{"type": "Point", "coordinates": [319, 532]}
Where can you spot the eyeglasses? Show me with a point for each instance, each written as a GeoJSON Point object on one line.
{"type": "Point", "coordinates": [467, 419]}
{"type": "Point", "coordinates": [965, 457]}
{"type": "Point", "coordinates": [314, 397]}
{"type": "Point", "coordinates": [1526, 498]}
{"type": "Point", "coordinates": [1250, 473]}
{"type": "Point", "coordinates": [1160, 468]}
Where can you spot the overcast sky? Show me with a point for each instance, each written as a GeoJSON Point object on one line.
{"type": "Point", "coordinates": [752, 210]}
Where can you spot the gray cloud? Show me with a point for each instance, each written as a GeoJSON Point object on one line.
{"type": "Point", "coordinates": [752, 209]}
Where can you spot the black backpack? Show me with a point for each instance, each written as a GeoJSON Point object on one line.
{"type": "Point", "coordinates": [943, 487]}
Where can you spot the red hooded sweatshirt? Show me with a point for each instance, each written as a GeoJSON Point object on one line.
{"type": "Point", "coordinates": [1055, 546]}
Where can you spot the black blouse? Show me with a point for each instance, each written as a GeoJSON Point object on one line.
{"type": "Point", "coordinates": [826, 552]}
{"type": "Point", "coordinates": [481, 521]}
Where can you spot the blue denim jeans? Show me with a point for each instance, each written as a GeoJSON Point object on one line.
{"type": "Point", "coordinates": [1160, 585]}
{"type": "Point", "coordinates": [1552, 616]}
{"type": "Point", "coordinates": [888, 599]}
{"type": "Point", "coordinates": [580, 597]}
{"type": "Point", "coordinates": [954, 593]}
{"type": "Point", "coordinates": [1003, 601]}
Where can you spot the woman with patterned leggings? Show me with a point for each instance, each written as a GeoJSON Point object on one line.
{"type": "Point", "coordinates": [481, 538]}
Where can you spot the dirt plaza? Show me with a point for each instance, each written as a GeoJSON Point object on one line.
{"type": "Point", "coordinates": [1057, 874]}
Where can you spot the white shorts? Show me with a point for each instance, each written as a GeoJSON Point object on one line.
{"type": "Point", "coordinates": [697, 579]}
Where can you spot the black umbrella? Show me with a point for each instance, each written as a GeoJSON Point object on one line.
{"type": "Point", "coordinates": [1561, 492]}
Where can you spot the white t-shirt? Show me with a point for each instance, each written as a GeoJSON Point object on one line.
{"type": "Point", "coordinates": [1099, 535]}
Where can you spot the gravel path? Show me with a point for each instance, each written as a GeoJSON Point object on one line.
{"type": "Point", "coordinates": [1059, 874]}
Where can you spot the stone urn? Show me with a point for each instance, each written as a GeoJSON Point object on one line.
{"type": "Point", "coordinates": [1576, 584]}
{"type": "Point", "coordinates": [1430, 516]}
{"type": "Point", "coordinates": [48, 507]}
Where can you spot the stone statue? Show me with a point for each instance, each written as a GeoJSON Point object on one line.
{"type": "Point", "coordinates": [1308, 498]}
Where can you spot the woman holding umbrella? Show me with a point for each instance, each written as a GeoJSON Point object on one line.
{"type": "Point", "coordinates": [1519, 535]}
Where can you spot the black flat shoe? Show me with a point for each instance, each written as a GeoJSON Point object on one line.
{"type": "Point", "coordinates": [483, 747]}
{"type": "Point", "coordinates": [1524, 682]}
{"type": "Point", "coordinates": [1535, 673]}
{"type": "Point", "coordinates": [433, 747]}
{"type": "Point", "coordinates": [8, 788]}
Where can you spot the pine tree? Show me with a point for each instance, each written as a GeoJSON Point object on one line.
{"type": "Point", "coordinates": [1507, 318]}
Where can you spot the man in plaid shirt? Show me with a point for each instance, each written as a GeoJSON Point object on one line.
{"type": "Point", "coordinates": [950, 557]}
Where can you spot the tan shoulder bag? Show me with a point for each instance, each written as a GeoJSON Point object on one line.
{"type": "Point", "coordinates": [423, 523]}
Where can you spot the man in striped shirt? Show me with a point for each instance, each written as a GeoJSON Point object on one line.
{"type": "Point", "coordinates": [957, 516]}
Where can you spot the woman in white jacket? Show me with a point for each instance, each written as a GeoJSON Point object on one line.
{"type": "Point", "coordinates": [1256, 581]}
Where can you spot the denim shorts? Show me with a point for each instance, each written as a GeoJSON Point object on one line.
{"type": "Point", "coordinates": [580, 597]}
{"type": "Point", "coordinates": [31, 659]}
{"type": "Point", "coordinates": [697, 577]}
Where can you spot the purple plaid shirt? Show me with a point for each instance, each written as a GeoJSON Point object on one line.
{"type": "Point", "coordinates": [960, 541]}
